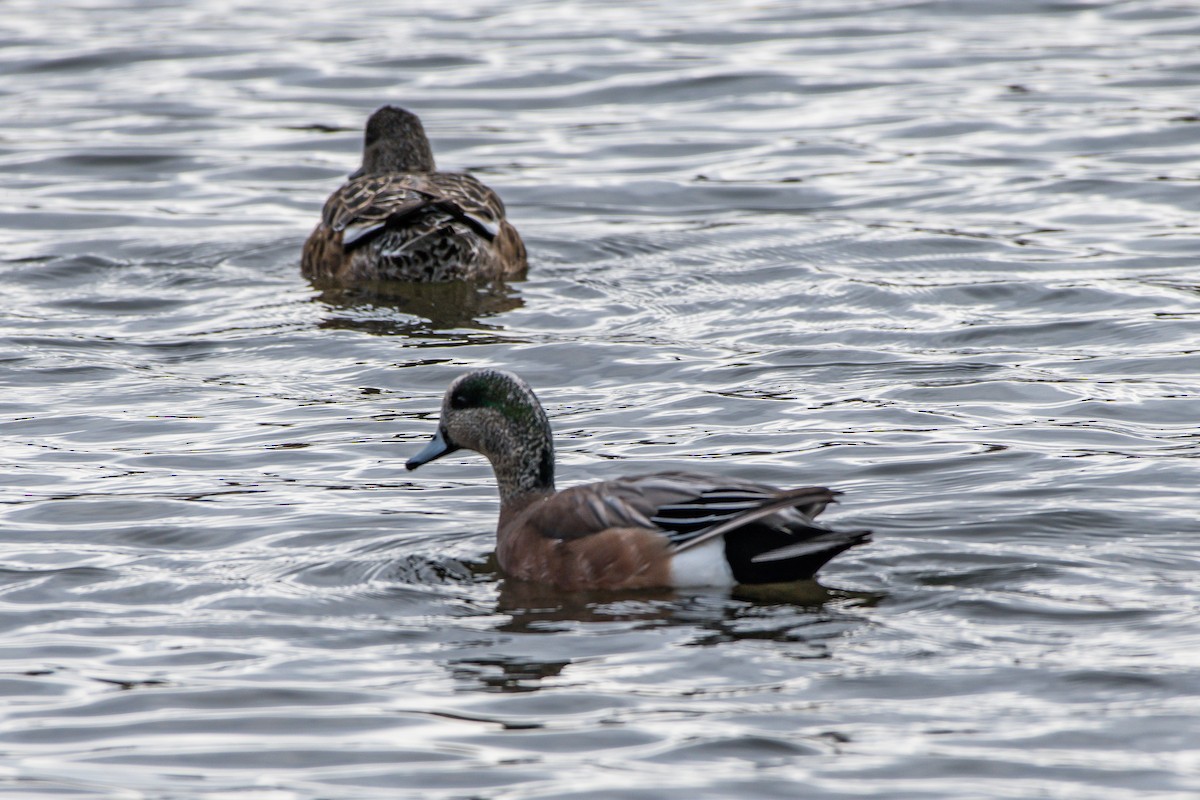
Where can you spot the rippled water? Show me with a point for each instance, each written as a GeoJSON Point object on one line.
{"type": "Point", "coordinates": [942, 256]}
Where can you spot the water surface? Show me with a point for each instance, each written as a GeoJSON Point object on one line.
{"type": "Point", "coordinates": [941, 256]}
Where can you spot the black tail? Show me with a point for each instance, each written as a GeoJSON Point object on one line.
{"type": "Point", "coordinates": [761, 554]}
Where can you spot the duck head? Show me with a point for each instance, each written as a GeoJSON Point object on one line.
{"type": "Point", "coordinates": [496, 414]}
{"type": "Point", "coordinates": [395, 141]}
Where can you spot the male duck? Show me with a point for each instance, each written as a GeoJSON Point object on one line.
{"type": "Point", "coordinates": [398, 218]}
{"type": "Point", "coordinates": [645, 531]}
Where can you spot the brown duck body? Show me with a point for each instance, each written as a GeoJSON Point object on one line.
{"type": "Point", "coordinates": [657, 530]}
{"type": "Point", "coordinates": [624, 557]}
{"type": "Point", "coordinates": [398, 218]}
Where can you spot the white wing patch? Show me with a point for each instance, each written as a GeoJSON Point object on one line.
{"type": "Point", "coordinates": [703, 565]}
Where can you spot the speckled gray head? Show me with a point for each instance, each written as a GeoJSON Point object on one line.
{"type": "Point", "coordinates": [495, 413]}
{"type": "Point", "coordinates": [395, 141]}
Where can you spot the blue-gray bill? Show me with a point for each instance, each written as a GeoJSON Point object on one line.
{"type": "Point", "coordinates": [438, 446]}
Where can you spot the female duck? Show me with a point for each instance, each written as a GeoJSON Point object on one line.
{"type": "Point", "coordinates": [398, 218]}
{"type": "Point", "coordinates": [645, 531]}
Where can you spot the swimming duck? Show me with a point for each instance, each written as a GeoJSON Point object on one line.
{"type": "Point", "coordinates": [666, 529]}
{"type": "Point", "coordinates": [398, 218]}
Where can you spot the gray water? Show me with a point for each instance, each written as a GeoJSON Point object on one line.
{"type": "Point", "coordinates": [942, 256]}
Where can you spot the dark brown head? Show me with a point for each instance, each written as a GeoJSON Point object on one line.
{"type": "Point", "coordinates": [395, 141]}
{"type": "Point", "coordinates": [496, 414]}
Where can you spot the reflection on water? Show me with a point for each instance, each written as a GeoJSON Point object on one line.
{"type": "Point", "coordinates": [536, 609]}
{"type": "Point", "coordinates": [387, 308]}
{"type": "Point", "coordinates": [807, 617]}
{"type": "Point", "coordinates": [505, 674]}
{"type": "Point", "coordinates": [533, 608]}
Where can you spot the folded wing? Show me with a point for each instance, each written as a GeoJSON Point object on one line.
{"type": "Point", "coordinates": [769, 534]}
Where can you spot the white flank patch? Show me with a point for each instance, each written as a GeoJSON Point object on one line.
{"type": "Point", "coordinates": [703, 565]}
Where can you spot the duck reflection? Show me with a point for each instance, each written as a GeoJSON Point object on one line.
{"type": "Point", "coordinates": [805, 617]}
{"type": "Point", "coordinates": [424, 307]}
{"type": "Point", "coordinates": [534, 608]}
{"type": "Point", "coordinates": [507, 675]}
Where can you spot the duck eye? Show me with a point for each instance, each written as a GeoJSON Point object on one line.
{"type": "Point", "coordinates": [458, 400]}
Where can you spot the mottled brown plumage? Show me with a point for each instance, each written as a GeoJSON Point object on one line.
{"type": "Point", "coordinates": [646, 531]}
{"type": "Point", "coordinates": [398, 218]}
